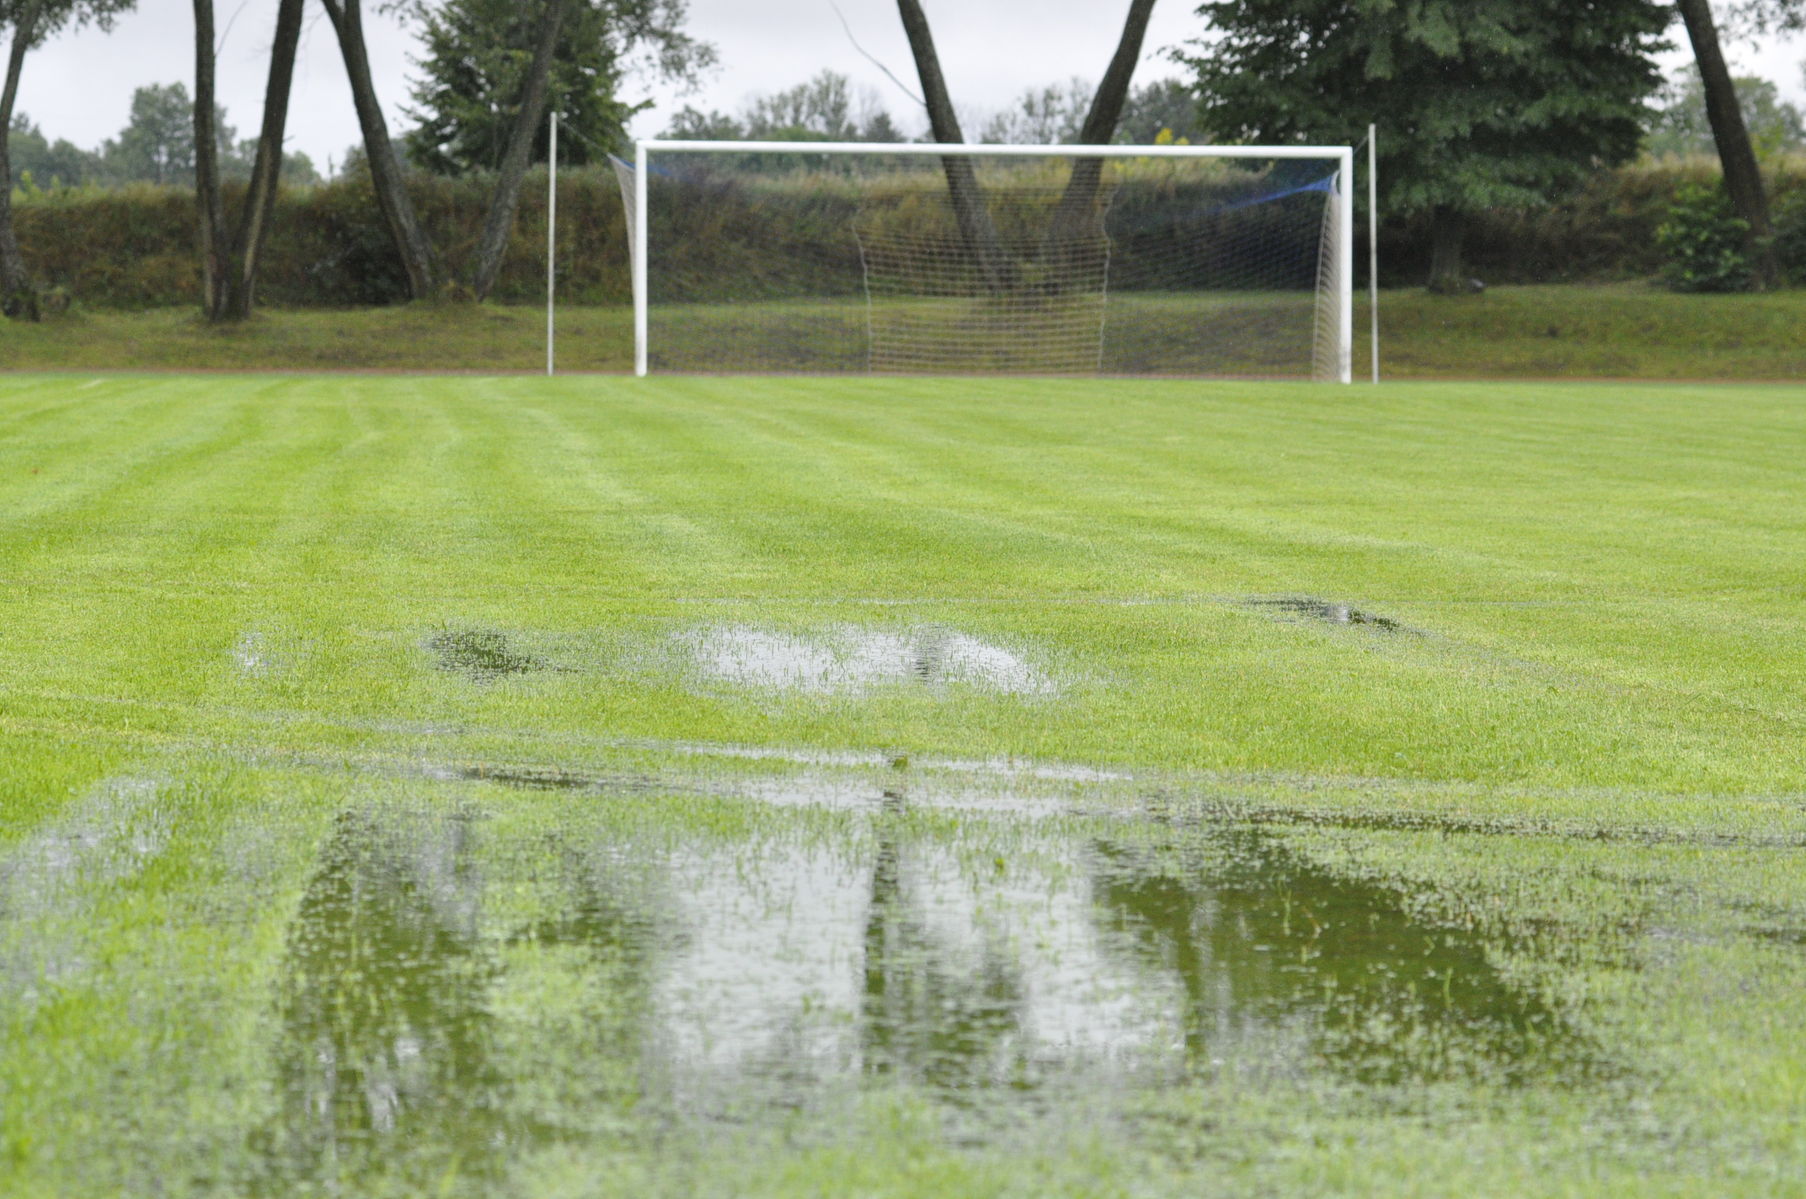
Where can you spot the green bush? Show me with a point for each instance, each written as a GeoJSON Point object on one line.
{"type": "Point", "coordinates": [1789, 219]}
{"type": "Point", "coordinates": [1702, 240]}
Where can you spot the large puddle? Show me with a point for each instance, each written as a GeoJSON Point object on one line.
{"type": "Point", "coordinates": [461, 986]}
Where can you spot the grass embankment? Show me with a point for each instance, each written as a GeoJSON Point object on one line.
{"type": "Point", "coordinates": [229, 603]}
{"type": "Point", "coordinates": [1623, 331]}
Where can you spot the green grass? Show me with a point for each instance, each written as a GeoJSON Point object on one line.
{"type": "Point", "coordinates": [225, 599]}
{"type": "Point", "coordinates": [1544, 332]}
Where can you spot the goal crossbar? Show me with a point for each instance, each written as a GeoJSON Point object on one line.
{"type": "Point", "coordinates": [1343, 156]}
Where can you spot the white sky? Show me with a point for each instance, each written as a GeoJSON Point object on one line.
{"type": "Point", "coordinates": [79, 86]}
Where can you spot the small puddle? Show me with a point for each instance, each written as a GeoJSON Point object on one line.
{"type": "Point", "coordinates": [481, 655]}
{"type": "Point", "coordinates": [850, 658]}
{"type": "Point", "coordinates": [1324, 611]}
{"type": "Point", "coordinates": [459, 990]}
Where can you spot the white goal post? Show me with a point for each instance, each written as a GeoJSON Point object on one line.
{"type": "Point", "coordinates": [856, 256]}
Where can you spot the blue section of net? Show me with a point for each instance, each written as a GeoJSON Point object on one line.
{"type": "Point", "coordinates": [1327, 185]}
{"type": "Point", "coordinates": [651, 168]}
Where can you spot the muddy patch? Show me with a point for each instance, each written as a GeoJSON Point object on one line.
{"type": "Point", "coordinates": [849, 658]}
{"type": "Point", "coordinates": [1304, 609]}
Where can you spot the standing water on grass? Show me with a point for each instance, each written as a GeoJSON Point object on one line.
{"type": "Point", "coordinates": [465, 989]}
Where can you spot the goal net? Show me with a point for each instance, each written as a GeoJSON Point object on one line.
{"type": "Point", "coordinates": [917, 259]}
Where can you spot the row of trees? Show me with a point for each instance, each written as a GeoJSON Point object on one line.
{"type": "Point", "coordinates": [1485, 103]}
{"type": "Point", "coordinates": [1501, 102]}
{"type": "Point", "coordinates": [492, 68]}
{"type": "Point", "coordinates": [455, 134]}
{"type": "Point", "coordinates": [156, 146]}
{"type": "Point", "coordinates": [829, 107]}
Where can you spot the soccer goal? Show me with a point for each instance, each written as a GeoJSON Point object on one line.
{"type": "Point", "coordinates": [757, 257]}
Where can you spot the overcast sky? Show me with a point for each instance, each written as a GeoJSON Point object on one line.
{"type": "Point", "coordinates": [79, 86]}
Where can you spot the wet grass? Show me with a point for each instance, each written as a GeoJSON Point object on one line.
{"type": "Point", "coordinates": [790, 787]}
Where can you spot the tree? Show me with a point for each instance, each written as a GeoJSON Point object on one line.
{"type": "Point", "coordinates": [825, 108]}
{"type": "Point", "coordinates": [157, 146]}
{"type": "Point", "coordinates": [1098, 127]}
{"type": "Point", "coordinates": [1165, 105]}
{"type": "Point", "coordinates": [45, 163]}
{"type": "Point", "coordinates": [1481, 103]}
{"type": "Point", "coordinates": [30, 22]}
{"type": "Point", "coordinates": [1737, 157]}
{"type": "Point", "coordinates": [976, 228]}
{"type": "Point", "coordinates": [1100, 122]}
{"type": "Point", "coordinates": [378, 153]}
{"type": "Point", "coordinates": [528, 114]}
{"type": "Point", "coordinates": [492, 69]}
{"type": "Point", "coordinates": [1042, 116]}
{"type": "Point", "coordinates": [1679, 126]}
{"type": "Point", "coordinates": [478, 64]}
{"type": "Point", "coordinates": [229, 261]}
{"type": "Point", "coordinates": [1056, 113]}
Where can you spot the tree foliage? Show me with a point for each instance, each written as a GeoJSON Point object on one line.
{"type": "Point", "coordinates": [37, 161]}
{"type": "Point", "coordinates": [478, 54]}
{"type": "Point", "coordinates": [1768, 16]}
{"type": "Point", "coordinates": [1678, 125]}
{"type": "Point", "coordinates": [1056, 113]}
{"type": "Point", "coordinates": [155, 146]}
{"type": "Point", "coordinates": [1480, 103]}
{"type": "Point", "coordinates": [1163, 106]}
{"type": "Point", "coordinates": [1493, 102]}
{"type": "Point", "coordinates": [158, 143]}
{"type": "Point", "coordinates": [825, 108]}
{"type": "Point", "coordinates": [1042, 116]}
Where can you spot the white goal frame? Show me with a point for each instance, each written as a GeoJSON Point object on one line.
{"type": "Point", "coordinates": [1344, 199]}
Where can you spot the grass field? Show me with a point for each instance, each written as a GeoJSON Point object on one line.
{"type": "Point", "coordinates": [483, 786]}
{"type": "Point", "coordinates": [1570, 331]}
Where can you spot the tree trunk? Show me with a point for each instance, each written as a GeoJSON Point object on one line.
{"type": "Point", "coordinates": [975, 226]}
{"type": "Point", "coordinates": [411, 241]}
{"type": "Point", "coordinates": [1074, 216]}
{"type": "Point", "coordinates": [520, 148]}
{"type": "Point", "coordinates": [210, 209]}
{"type": "Point", "coordinates": [1448, 228]}
{"type": "Point", "coordinates": [229, 265]}
{"type": "Point", "coordinates": [1742, 177]}
{"type": "Point", "coordinates": [266, 171]}
{"type": "Point", "coordinates": [17, 298]}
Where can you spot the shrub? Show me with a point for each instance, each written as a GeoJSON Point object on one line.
{"type": "Point", "coordinates": [1789, 219]}
{"type": "Point", "coordinates": [1702, 240]}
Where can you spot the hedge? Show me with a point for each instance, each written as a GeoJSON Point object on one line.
{"type": "Point", "coordinates": [135, 247]}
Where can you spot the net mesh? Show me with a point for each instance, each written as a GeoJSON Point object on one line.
{"type": "Point", "coordinates": [815, 262]}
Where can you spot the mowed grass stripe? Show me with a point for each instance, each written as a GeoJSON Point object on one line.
{"type": "Point", "coordinates": [1599, 604]}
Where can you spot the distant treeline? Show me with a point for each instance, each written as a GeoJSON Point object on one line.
{"type": "Point", "coordinates": [135, 247]}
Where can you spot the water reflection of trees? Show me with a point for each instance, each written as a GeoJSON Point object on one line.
{"type": "Point", "coordinates": [385, 1061]}
{"type": "Point", "coordinates": [923, 1019]}
{"type": "Point", "coordinates": [396, 1072]}
{"type": "Point", "coordinates": [1259, 939]}
{"type": "Point", "coordinates": [639, 970]}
